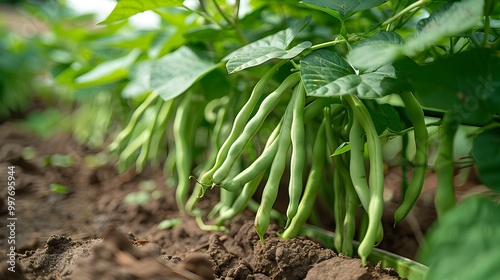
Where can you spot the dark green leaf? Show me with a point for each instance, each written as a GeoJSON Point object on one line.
{"type": "Point", "coordinates": [467, 84]}
{"type": "Point", "coordinates": [464, 243]}
{"type": "Point", "coordinates": [326, 73]}
{"type": "Point", "coordinates": [342, 9]}
{"type": "Point", "coordinates": [486, 152]}
{"type": "Point", "coordinates": [384, 117]}
{"type": "Point", "coordinates": [274, 46]}
{"type": "Point", "coordinates": [127, 8]}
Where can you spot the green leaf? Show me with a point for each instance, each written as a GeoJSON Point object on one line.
{"type": "Point", "coordinates": [486, 152]}
{"type": "Point", "coordinates": [127, 8]}
{"type": "Point", "coordinates": [385, 117]}
{"type": "Point", "coordinates": [385, 47]}
{"type": "Point", "coordinates": [377, 50]}
{"type": "Point", "coordinates": [464, 243]}
{"type": "Point", "coordinates": [342, 9]}
{"type": "Point", "coordinates": [168, 76]}
{"type": "Point", "coordinates": [108, 71]}
{"type": "Point", "coordinates": [270, 47]}
{"type": "Point", "coordinates": [452, 19]}
{"type": "Point", "coordinates": [326, 74]}
{"type": "Point", "coordinates": [467, 84]}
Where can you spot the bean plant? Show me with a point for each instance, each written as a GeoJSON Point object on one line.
{"type": "Point", "coordinates": [299, 98]}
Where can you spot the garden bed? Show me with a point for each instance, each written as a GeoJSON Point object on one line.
{"type": "Point", "coordinates": [58, 236]}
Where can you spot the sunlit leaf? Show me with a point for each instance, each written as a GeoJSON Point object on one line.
{"type": "Point", "coordinates": [463, 244]}
{"type": "Point", "coordinates": [342, 9]}
{"type": "Point", "coordinates": [326, 73]}
{"type": "Point", "coordinates": [109, 71]}
{"type": "Point", "coordinates": [486, 152]}
{"type": "Point", "coordinates": [273, 46]}
{"type": "Point", "coordinates": [452, 19]}
{"type": "Point", "coordinates": [168, 76]}
{"type": "Point", "coordinates": [127, 8]}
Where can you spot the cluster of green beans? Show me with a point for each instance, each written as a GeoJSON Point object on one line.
{"type": "Point", "coordinates": [142, 139]}
{"type": "Point", "coordinates": [350, 189]}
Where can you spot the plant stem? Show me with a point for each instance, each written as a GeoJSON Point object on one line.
{"type": "Point", "coordinates": [404, 11]}
{"type": "Point", "coordinates": [337, 40]}
{"type": "Point", "coordinates": [232, 23]}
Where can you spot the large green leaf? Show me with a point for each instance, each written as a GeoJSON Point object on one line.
{"type": "Point", "coordinates": [464, 243]}
{"type": "Point", "coordinates": [452, 19]}
{"type": "Point", "coordinates": [127, 8]}
{"type": "Point", "coordinates": [326, 73]}
{"type": "Point", "coordinates": [109, 71]}
{"type": "Point", "coordinates": [270, 47]}
{"type": "Point", "coordinates": [342, 9]}
{"type": "Point", "coordinates": [168, 76]}
{"type": "Point", "coordinates": [377, 50]}
{"type": "Point", "coordinates": [467, 84]}
{"type": "Point", "coordinates": [486, 152]}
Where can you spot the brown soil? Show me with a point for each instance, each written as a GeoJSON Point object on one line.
{"type": "Point", "coordinates": [58, 236]}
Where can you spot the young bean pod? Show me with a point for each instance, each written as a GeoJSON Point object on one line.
{"type": "Point", "coordinates": [184, 155]}
{"type": "Point", "coordinates": [420, 161]}
{"type": "Point", "coordinates": [253, 126]}
{"type": "Point", "coordinates": [307, 202]}
{"type": "Point", "coordinates": [376, 180]}
{"type": "Point", "coordinates": [444, 166]}
{"type": "Point", "coordinates": [126, 133]}
{"type": "Point", "coordinates": [270, 193]}
{"type": "Point", "coordinates": [239, 122]}
{"type": "Point", "coordinates": [298, 154]}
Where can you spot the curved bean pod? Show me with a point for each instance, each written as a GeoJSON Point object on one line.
{"type": "Point", "coordinates": [376, 205]}
{"type": "Point", "coordinates": [239, 122]}
{"type": "Point", "coordinates": [312, 186]}
{"type": "Point", "coordinates": [420, 161]}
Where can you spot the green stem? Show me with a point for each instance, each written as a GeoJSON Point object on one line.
{"type": "Point", "coordinates": [339, 39]}
{"type": "Point", "coordinates": [404, 11]}
{"type": "Point", "coordinates": [232, 23]}
{"type": "Point", "coordinates": [444, 167]}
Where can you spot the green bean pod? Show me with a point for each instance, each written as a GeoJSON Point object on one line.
{"type": "Point", "coordinates": [239, 122]}
{"type": "Point", "coordinates": [160, 130]}
{"type": "Point", "coordinates": [376, 180]}
{"type": "Point", "coordinates": [241, 200]}
{"type": "Point", "coordinates": [127, 131]}
{"type": "Point", "coordinates": [251, 128]}
{"type": "Point", "coordinates": [444, 167]}
{"type": "Point", "coordinates": [307, 202]}
{"type": "Point", "coordinates": [251, 172]}
{"type": "Point", "coordinates": [357, 166]}
{"type": "Point", "coordinates": [271, 188]}
{"type": "Point", "coordinates": [298, 154]}
{"type": "Point", "coordinates": [183, 155]}
{"type": "Point", "coordinates": [146, 145]}
{"type": "Point", "coordinates": [357, 170]}
{"type": "Point", "coordinates": [420, 161]}
{"type": "Point", "coordinates": [339, 209]}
